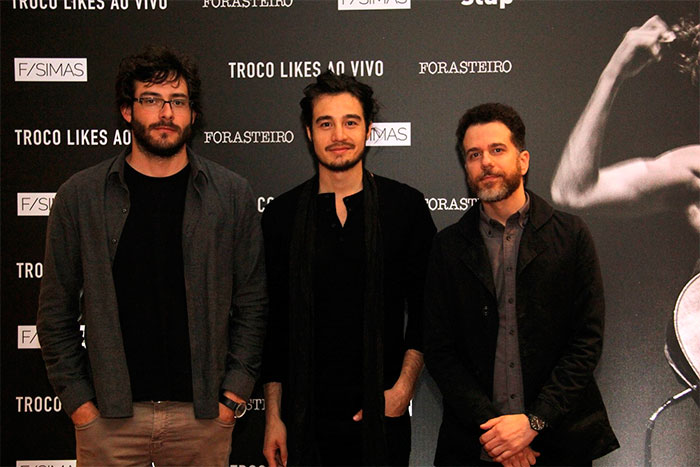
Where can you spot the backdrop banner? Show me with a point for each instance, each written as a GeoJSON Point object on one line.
{"type": "Point", "coordinates": [428, 61]}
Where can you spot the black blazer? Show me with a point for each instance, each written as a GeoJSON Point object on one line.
{"type": "Point", "coordinates": [560, 313]}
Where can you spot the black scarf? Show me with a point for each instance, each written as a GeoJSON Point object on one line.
{"type": "Point", "coordinates": [301, 433]}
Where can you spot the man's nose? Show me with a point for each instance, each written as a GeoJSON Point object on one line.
{"type": "Point", "coordinates": [338, 133]}
{"type": "Point", "coordinates": [167, 110]}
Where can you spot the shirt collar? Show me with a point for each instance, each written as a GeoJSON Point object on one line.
{"type": "Point", "coordinates": [521, 214]}
{"type": "Point", "coordinates": [117, 168]}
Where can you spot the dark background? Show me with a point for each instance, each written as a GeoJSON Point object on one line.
{"type": "Point", "coordinates": [557, 50]}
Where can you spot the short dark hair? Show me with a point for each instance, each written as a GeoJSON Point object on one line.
{"type": "Point", "coordinates": [158, 64]}
{"type": "Point", "coordinates": [487, 113]}
{"type": "Point", "coordinates": [331, 83]}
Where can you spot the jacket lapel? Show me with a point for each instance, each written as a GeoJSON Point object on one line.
{"type": "Point", "coordinates": [532, 244]}
{"type": "Point", "coordinates": [474, 255]}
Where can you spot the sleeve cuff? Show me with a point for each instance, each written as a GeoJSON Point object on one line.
{"type": "Point", "coordinates": [75, 396]}
{"type": "Point", "coordinates": [239, 383]}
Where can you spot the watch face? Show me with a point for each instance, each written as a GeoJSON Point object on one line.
{"type": "Point", "coordinates": [536, 423]}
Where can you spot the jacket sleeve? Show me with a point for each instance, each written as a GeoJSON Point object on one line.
{"type": "Point", "coordinates": [249, 315]}
{"type": "Point", "coordinates": [573, 371]}
{"type": "Point", "coordinates": [451, 370]}
{"type": "Point", "coordinates": [421, 233]}
{"type": "Point", "coordinates": [59, 307]}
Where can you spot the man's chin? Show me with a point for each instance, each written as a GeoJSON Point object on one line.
{"type": "Point", "coordinates": [491, 195]}
{"type": "Point", "coordinates": [162, 151]}
{"type": "Point", "coordinates": [342, 166]}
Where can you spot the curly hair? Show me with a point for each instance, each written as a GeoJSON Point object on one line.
{"type": "Point", "coordinates": [688, 37]}
{"type": "Point", "coordinates": [157, 65]}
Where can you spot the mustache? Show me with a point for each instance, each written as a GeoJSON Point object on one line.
{"type": "Point", "coordinates": [340, 146]}
{"type": "Point", "coordinates": [171, 125]}
{"type": "Point", "coordinates": [490, 173]}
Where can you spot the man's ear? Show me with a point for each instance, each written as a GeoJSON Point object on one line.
{"type": "Point", "coordinates": [369, 130]}
{"type": "Point", "coordinates": [308, 133]}
{"type": "Point", "coordinates": [126, 112]}
{"type": "Point", "coordinates": [524, 161]}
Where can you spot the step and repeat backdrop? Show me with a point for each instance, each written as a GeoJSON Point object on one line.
{"type": "Point", "coordinates": [428, 61]}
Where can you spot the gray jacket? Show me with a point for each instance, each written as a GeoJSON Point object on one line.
{"type": "Point", "coordinates": [224, 280]}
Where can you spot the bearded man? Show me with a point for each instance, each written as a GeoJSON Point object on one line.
{"type": "Point", "coordinates": [346, 256]}
{"type": "Point", "coordinates": [514, 315]}
{"type": "Point", "coordinates": [158, 252]}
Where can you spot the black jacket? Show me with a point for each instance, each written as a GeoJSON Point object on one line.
{"type": "Point", "coordinates": [407, 229]}
{"type": "Point", "coordinates": [560, 312]}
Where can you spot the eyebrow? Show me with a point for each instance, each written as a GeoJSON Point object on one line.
{"type": "Point", "coordinates": [156, 94]}
{"type": "Point", "coordinates": [492, 145]}
{"type": "Point", "coordinates": [328, 117]}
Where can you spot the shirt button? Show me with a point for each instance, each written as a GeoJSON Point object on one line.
{"type": "Point", "coordinates": [513, 396]}
{"type": "Point", "coordinates": [114, 241]}
{"type": "Point", "coordinates": [511, 332]}
{"type": "Point", "coordinates": [509, 269]}
{"type": "Point", "coordinates": [508, 237]}
{"type": "Point", "coordinates": [486, 310]}
{"type": "Point", "coordinates": [124, 210]}
{"type": "Point", "coordinates": [511, 364]}
{"type": "Point", "coordinates": [510, 300]}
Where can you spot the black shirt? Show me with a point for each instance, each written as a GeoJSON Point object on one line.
{"type": "Point", "coordinates": [150, 283]}
{"type": "Point", "coordinates": [339, 300]}
{"type": "Point", "coordinates": [407, 231]}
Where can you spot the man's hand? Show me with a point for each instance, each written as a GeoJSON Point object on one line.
{"type": "Point", "coordinates": [226, 415]}
{"type": "Point", "coordinates": [397, 398]}
{"type": "Point", "coordinates": [85, 414]}
{"type": "Point", "coordinates": [524, 458]}
{"type": "Point", "coordinates": [640, 47]}
{"type": "Point", "coordinates": [396, 402]}
{"type": "Point", "coordinates": [506, 435]}
{"type": "Point", "coordinates": [275, 443]}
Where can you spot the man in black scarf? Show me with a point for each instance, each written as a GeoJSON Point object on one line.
{"type": "Point", "coordinates": [347, 252]}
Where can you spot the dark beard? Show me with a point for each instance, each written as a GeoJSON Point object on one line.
{"type": "Point", "coordinates": [345, 166]}
{"type": "Point", "coordinates": [153, 146]}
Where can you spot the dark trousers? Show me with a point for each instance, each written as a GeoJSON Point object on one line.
{"type": "Point", "coordinates": [541, 461]}
{"type": "Point", "coordinates": [340, 441]}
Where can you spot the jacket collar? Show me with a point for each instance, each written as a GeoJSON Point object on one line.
{"type": "Point", "coordinates": [198, 172]}
{"type": "Point", "coordinates": [475, 255]}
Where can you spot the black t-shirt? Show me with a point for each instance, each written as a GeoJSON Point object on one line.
{"type": "Point", "coordinates": [150, 284]}
{"type": "Point", "coordinates": [339, 280]}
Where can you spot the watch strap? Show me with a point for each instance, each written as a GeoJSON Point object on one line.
{"type": "Point", "coordinates": [239, 408]}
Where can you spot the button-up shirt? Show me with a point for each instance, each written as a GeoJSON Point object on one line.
{"type": "Point", "coordinates": [502, 243]}
{"type": "Point", "coordinates": [224, 283]}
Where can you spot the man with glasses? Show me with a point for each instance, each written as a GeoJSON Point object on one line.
{"type": "Point", "coordinates": [158, 253]}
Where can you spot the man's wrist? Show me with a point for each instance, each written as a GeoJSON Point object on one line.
{"type": "Point", "coordinates": [239, 408]}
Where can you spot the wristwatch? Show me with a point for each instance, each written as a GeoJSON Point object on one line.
{"type": "Point", "coordinates": [536, 423]}
{"type": "Point", "coordinates": [239, 408]}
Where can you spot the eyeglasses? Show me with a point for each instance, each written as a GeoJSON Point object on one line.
{"type": "Point", "coordinates": [157, 103]}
